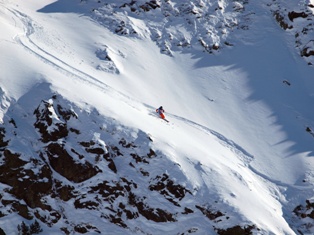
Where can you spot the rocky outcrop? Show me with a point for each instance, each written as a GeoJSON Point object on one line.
{"type": "Point", "coordinates": [68, 168]}
{"type": "Point", "coordinates": [306, 210]}
{"type": "Point", "coordinates": [166, 187]}
{"type": "Point", "coordinates": [24, 183]}
{"type": "Point", "coordinates": [62, 162]}
{"type": "Point", "coordinates": [248, 230]}
{"type": "Point", "coordinates": [3, 142]}
{"type": "Point", "coordinates": [204, 21]}
{"type": "Point", "coordinates": [305, 214]}
{"type": "Point", "coordinates": [308, 49]}
{"type": "Point", "coordinates": [207, 25]}
{"type": "Point", "coordinates": [298, 22]}
{"type": "Point", "coordinates": [293, 15]}
{"type": "Point", "coordinates": [48, 123]}
{"type": "Point", "coordinates": [281, 20]}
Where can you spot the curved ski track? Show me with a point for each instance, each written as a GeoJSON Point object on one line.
{"type": "Point", "coordinates": [63, 67]}
{"type": "Point", "coordinates": [58, 64]}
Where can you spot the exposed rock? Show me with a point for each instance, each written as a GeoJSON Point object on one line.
{"type": "Point", "coordinates": [150, 5]}
{"type": "Point", "coordinates": [110, 191]}
{"type": "Point", "coordinates": [62, 162]}
{"type": "Point", "coordinates": [48, 123]}
{"type": "Point", "coordinates": [21, 209]}
{"type": "Point", "coordinates": [100, 151]}
{"type": "Point", "coordinates": [90, 148]}
{"type": "Point", "coordinates": [25, 184]}
{"type": "Point", "coordinates": [299, 22]}
{"type": "Point", "coordinates": [166, 187]}
{"type": "Point", "coordinates": [3, 143]}
{"type": "Point", "coordinates": [49, 217]}
{"type": "Point", "coordinates": [209, 213]}
{"type": "Point", "coordinates": [34, 228]}
{"type": "Point", "coordinates": [237, 230]}
{"type": "Point", "coordinates": [154, 214]}
{"type": "Point", "coordinates": [151, 154]}
{"type": "Point", "coordinates": [187, 211]}
{"type": "Point", "coordinates": [281, 20]}
{"type": "Point", "coordinates": [139, 159]}
{"type": "Point", "coordinates": [66, 114]}
{"type": "Point", "coordinates": [304, 211]}
{"type": "Point", "coordinates": [87, 204]}
{"type": "Point", "coordinates": [64, 192]}
{"type": "Point", "coordinates": [293, 15]}
{"type": "Point", "coordinates": [308, 49]}
{"type": "Point", "coordinates": [85, 228]}
{"type": "Point", "coordinates": [126, 145]}
{"type": "Point", "coordinates": [195, 17]}
{"type": "Point", "coordinates": [65, 169]}
{"type": "Point", "coordinates": [116, 219]}
{"type": "Point", "coordinates": [115, 151]}
{"type": "Point", "coordinates": [124, 29]}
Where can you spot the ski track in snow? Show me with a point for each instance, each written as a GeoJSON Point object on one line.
{"type": "Point", "coordinates": [58, 64]}
{"type": "Point", "coordinates": [241, 153]}
{"type": "Point", "coordinates": [245, 156]}
{"type": "Point", "coordinates": [69, 70]}
{"type": "Point", "coordinates": [63, 67]}
{"type": "Point", "coordinates": [26, 41]}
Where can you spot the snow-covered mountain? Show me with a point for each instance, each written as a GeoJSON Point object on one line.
{"type": "Point", "coordinates": [82, 150]}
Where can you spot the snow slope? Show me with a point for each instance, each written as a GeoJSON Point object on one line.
{"type": "Point", "coordinates": [237, 128]}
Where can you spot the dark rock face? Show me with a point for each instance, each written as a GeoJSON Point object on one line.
{"type": "Point", "coordinates": [154, 214]}
{"type": "Point", "coordinates": [308, 49]}
{"type": "Point", "coordinates": [62, 162]}
{"type": "Point", "coordinates": [298, 22]}
{"type": "Point", "coordinates": [25, 184]}
{"type": "Point", "coordinates": [65, 163]}
{"type": "Point", "coordinates": [237, 230]}
{"type": "Point", "coordinates": [196, 17]}
{"type": "Point", "coordinates": [121, 183]}
{"type": "Point", "coordinates": [306, 214]}
{"type": "Point", "coordinates": [150, 5]}
{"type": "Point", "coordinates": [3, 143]}
{"type": "Point", "coordinates": [209, 213]}
{"type": "Point", "coordinates": [192, 16]}
{"type": "Point", "coordinates": [166, 187]}
{"type": "Point", "coordinates": [51, 122]}
{"type": "Point", "coordinates": [281, 21]}
{"type": "Point", "coordinates": [31, 177]}
{"type": "Point", "coordinates": [293, 15]}
{"type": "Point", "coordinates": [46, 120]}
{"type": "Point", "coordinates": [146, 6]}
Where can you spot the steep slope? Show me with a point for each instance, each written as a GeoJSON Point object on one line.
{"type": "Point", "coordinates": [82, 150]}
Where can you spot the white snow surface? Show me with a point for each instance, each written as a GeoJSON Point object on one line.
{"type": "Point", "coordinates": [234, 127]}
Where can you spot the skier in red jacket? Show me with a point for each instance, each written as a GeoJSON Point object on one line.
{"type": "Point", "coordinates": [161, 111]}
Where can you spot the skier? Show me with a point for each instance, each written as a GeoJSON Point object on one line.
{"type": "Point", "coordinates": [161, 111]}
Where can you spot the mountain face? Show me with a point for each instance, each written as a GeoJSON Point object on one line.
{"type": "Point", "coordinates": [82, 150]}
{"type": "Point", "coordinates": [56, 172]}
{"type": "Point", "coordinates": [208, 25]}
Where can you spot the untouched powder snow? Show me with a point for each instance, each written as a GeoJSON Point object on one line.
{"type": "Point", "coordinates": [236, 128]}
